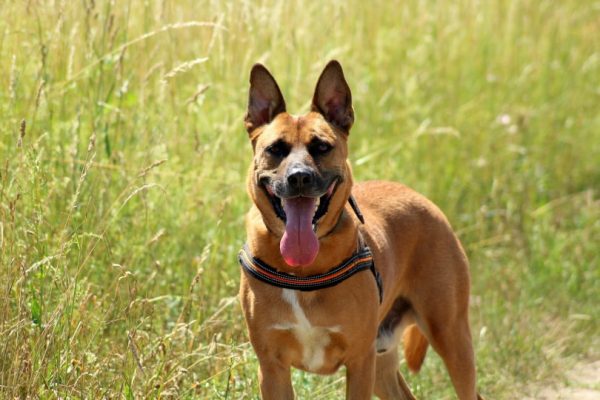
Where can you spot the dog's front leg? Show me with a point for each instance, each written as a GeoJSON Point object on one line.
{"type": "Point", "coordinates": [275, 381]}
{"type": "Point", "coordinates": [360, 377]}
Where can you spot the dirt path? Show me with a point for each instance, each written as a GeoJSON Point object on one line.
{"type": "Point", "coordinates": [583, 383]}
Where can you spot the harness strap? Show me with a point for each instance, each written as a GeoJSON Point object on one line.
{"type": "Point", "coordinates": [359, 261]}
{"type": "Point", "coordinates": [356, 210]}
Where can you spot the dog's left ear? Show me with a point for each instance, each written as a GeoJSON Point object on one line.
{"type": "Point", "coordinates": [332, 97]}
{"type": "Point", "coordinates": [265, 100]}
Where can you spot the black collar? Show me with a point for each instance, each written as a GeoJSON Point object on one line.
{"type": "Point", "coordinates": [360, 260]}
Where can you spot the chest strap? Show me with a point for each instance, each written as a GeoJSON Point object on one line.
{"type": "Point", "coordinates": [359, 261]}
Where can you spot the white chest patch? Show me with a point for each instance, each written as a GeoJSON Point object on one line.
{"type": "Point", "coordinates": [313, 339]}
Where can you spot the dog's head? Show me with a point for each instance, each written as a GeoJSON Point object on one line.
{"type": "Point", "coordinates": [300, 178]}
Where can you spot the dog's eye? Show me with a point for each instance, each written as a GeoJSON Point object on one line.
{"type": "Point", "coordinates": [319, 148]}
{"type": "Point", "coordinates": [278, 149]}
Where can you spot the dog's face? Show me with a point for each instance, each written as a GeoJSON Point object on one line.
{"type": "Point", "coordinates": [300, 172]}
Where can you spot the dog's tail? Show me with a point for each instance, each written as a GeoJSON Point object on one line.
{"type": "Point", "coordinates": [415, 347]}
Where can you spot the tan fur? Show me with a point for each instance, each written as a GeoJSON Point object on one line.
{"type": "Point", "coordinates": [415, 348]}
{"type": "Point", "coordinates": [415, 250]}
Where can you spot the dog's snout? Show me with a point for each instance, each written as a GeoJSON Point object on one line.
{"type": "Point", "coordinates": [299, 178]}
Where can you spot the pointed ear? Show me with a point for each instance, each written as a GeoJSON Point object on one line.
{"type": "Point", "coordinates": [265, 100]}
{"type": "Point", "coordinates": [332, 97]}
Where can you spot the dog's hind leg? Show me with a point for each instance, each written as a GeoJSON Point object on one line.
{"type": "Point", "coordinates": [389, 383]}
{"type": "Point", "coordinates": [452, 341]}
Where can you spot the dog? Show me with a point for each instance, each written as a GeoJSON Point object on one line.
{"type": "Point", "coordinates": [335, 273]}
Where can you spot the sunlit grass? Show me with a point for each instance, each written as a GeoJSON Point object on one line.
{"type": "Point", "coordinates": [123, 157]}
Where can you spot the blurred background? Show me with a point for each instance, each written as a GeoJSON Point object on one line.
{"type": "Point", "coordinates": [123, 158]}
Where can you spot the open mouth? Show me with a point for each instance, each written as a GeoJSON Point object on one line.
{"type": "Point", "coordinates": [299, 244]}
{"type": "Point", "coordinates": [321, 204]}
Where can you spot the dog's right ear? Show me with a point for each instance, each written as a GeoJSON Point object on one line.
{"type": "Point", "coordinates": [265, 100]}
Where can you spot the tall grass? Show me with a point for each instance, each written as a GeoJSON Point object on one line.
{"type": "Point", "coordinates": [123, 155]}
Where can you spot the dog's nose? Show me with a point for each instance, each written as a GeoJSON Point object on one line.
{"type": "Point", "coordinates": [299, 178]}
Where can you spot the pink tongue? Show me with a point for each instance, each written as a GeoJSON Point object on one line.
{"type": "Point", "coordinates": [299, 244]}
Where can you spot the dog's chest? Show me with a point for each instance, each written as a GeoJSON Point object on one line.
{"type": "Point", "coordinates": [314, 340]}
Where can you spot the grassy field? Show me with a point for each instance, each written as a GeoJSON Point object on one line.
{"type": "Point", "coordinates": [123, 155]}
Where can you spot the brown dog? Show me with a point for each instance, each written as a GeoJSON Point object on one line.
{"type": "Point", "coordinates": [307, 294]}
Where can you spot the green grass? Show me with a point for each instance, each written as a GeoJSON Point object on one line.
{"type": "Point", "coordinates": [122, 195]}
